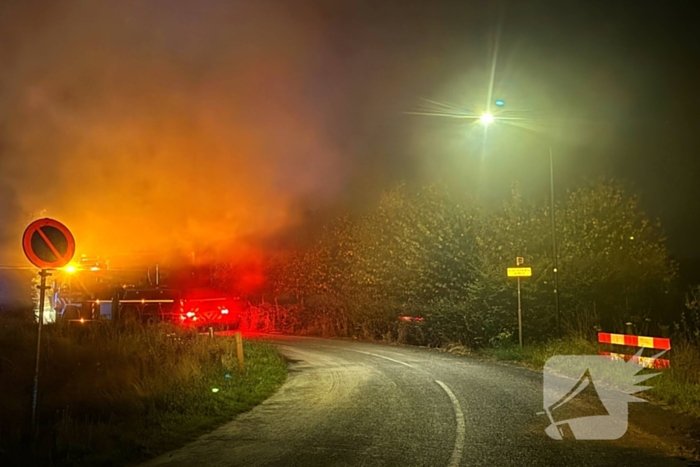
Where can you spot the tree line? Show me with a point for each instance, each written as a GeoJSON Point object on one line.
{"type": "Point", "coordinates": [430, 253]}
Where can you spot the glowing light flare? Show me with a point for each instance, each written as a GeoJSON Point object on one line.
{"type": "Point", "coordinates": [70, 269]}
{"type": "Point", "coordinates": [486, 119]}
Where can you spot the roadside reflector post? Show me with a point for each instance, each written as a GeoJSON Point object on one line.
{"type": "Point", "coordinates": [239, 351]}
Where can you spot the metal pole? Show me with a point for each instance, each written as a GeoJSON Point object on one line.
{"type": "Point", "coordinates": [555, 269]}
{"type": "Point", "coordinates": [520, 318]}
{"type": "Point", "coordinates": [116, 315]}
{"type": "Point", "coordinates": [42, 293]}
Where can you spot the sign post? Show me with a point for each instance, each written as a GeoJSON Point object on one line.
{"type": "Point", "coordinates": [519, 272]}
{"type": "Point", "coordinates": [42, 294]}
{"type": "Point", "coordinates": [48, 244]}
{"type": "Point", "coordinates": [520, 317]}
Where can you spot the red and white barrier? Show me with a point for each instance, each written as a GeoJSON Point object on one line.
{"type": "Point", "coordinates": [646, 362]}
{"type": "Point", "coordinates": [659, 343]}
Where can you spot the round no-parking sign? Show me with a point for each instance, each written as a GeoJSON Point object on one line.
{"type": "Point", "coordinates": [48, 244]}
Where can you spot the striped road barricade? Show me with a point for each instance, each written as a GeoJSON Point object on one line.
{"type": "Point", "coordinates": [620, 343]}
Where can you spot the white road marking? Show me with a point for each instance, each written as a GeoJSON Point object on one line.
{"type": "Point", "coordinates": [461, 427]}
{"type": "Point", "coordinates": [380, 356]}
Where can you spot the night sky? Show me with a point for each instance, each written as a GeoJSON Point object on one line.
{"type": "Point", "coordinates": [610, 85]}
{"type": "Point", "coordinates": [616, 83]}
{"type": "Point", "coordinates": [240, 118]}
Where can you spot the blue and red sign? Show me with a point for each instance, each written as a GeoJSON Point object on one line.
{"type": "Point", "coordinates": [48, 244]}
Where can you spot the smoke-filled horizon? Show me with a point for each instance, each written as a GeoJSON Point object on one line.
{"type": "Point", "coordinates": [203, 126]}
{"type": "Point", "coordinates": [156, 126]}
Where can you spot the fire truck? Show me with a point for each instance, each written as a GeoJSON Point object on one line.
{"type": "Point", "coordinates": [93, 291]}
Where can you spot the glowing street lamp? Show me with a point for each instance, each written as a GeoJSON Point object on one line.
{"type": "Point", "coordinates": [486, 119]}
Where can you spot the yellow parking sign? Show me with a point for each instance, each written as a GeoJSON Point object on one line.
{"type": "Point", "coordinates": [519, 272]}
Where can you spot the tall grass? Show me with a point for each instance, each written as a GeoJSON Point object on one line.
{"type": "Point", "coordinates": [112, 395]}
{"type": "Point", "coordinates": [680, 385]}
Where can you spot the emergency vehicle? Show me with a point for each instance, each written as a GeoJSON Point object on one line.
{"type": "Point", "coordinates": [93, 291]}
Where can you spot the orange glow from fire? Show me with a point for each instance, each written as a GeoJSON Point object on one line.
{"type": "Point", "coordinates": [161, 152]}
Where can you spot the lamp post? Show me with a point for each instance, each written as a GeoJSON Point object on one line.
{"type": "Point", "coordinates": [555, 268]}
{"type": "Point", "coordinates": [487, 119]}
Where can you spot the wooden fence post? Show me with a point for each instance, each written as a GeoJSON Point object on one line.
{"type": "Point", "coordinates": [239, 351]}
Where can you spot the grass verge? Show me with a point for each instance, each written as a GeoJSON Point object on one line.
{"type": "Point", "coordinates": [679, 386]}
{"type": "Point", "coordinates": [113, 396]}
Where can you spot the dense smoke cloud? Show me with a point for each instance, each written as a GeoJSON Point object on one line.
{"type": "Point", "coordinates": [145, 124]}
{"type": "Point", "coordinates": [148, 124]}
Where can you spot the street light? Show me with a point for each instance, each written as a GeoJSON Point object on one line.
{"type": "Point", "coordinates": [487, 119]}
{"type": "Point", "coordinates": [555, 268]}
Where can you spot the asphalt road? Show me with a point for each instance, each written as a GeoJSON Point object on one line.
{"type": "Point", "coordinates": [359, 404]}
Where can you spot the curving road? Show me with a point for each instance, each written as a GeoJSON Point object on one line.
{"type": "Point", "coordinates": [359, 404]}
